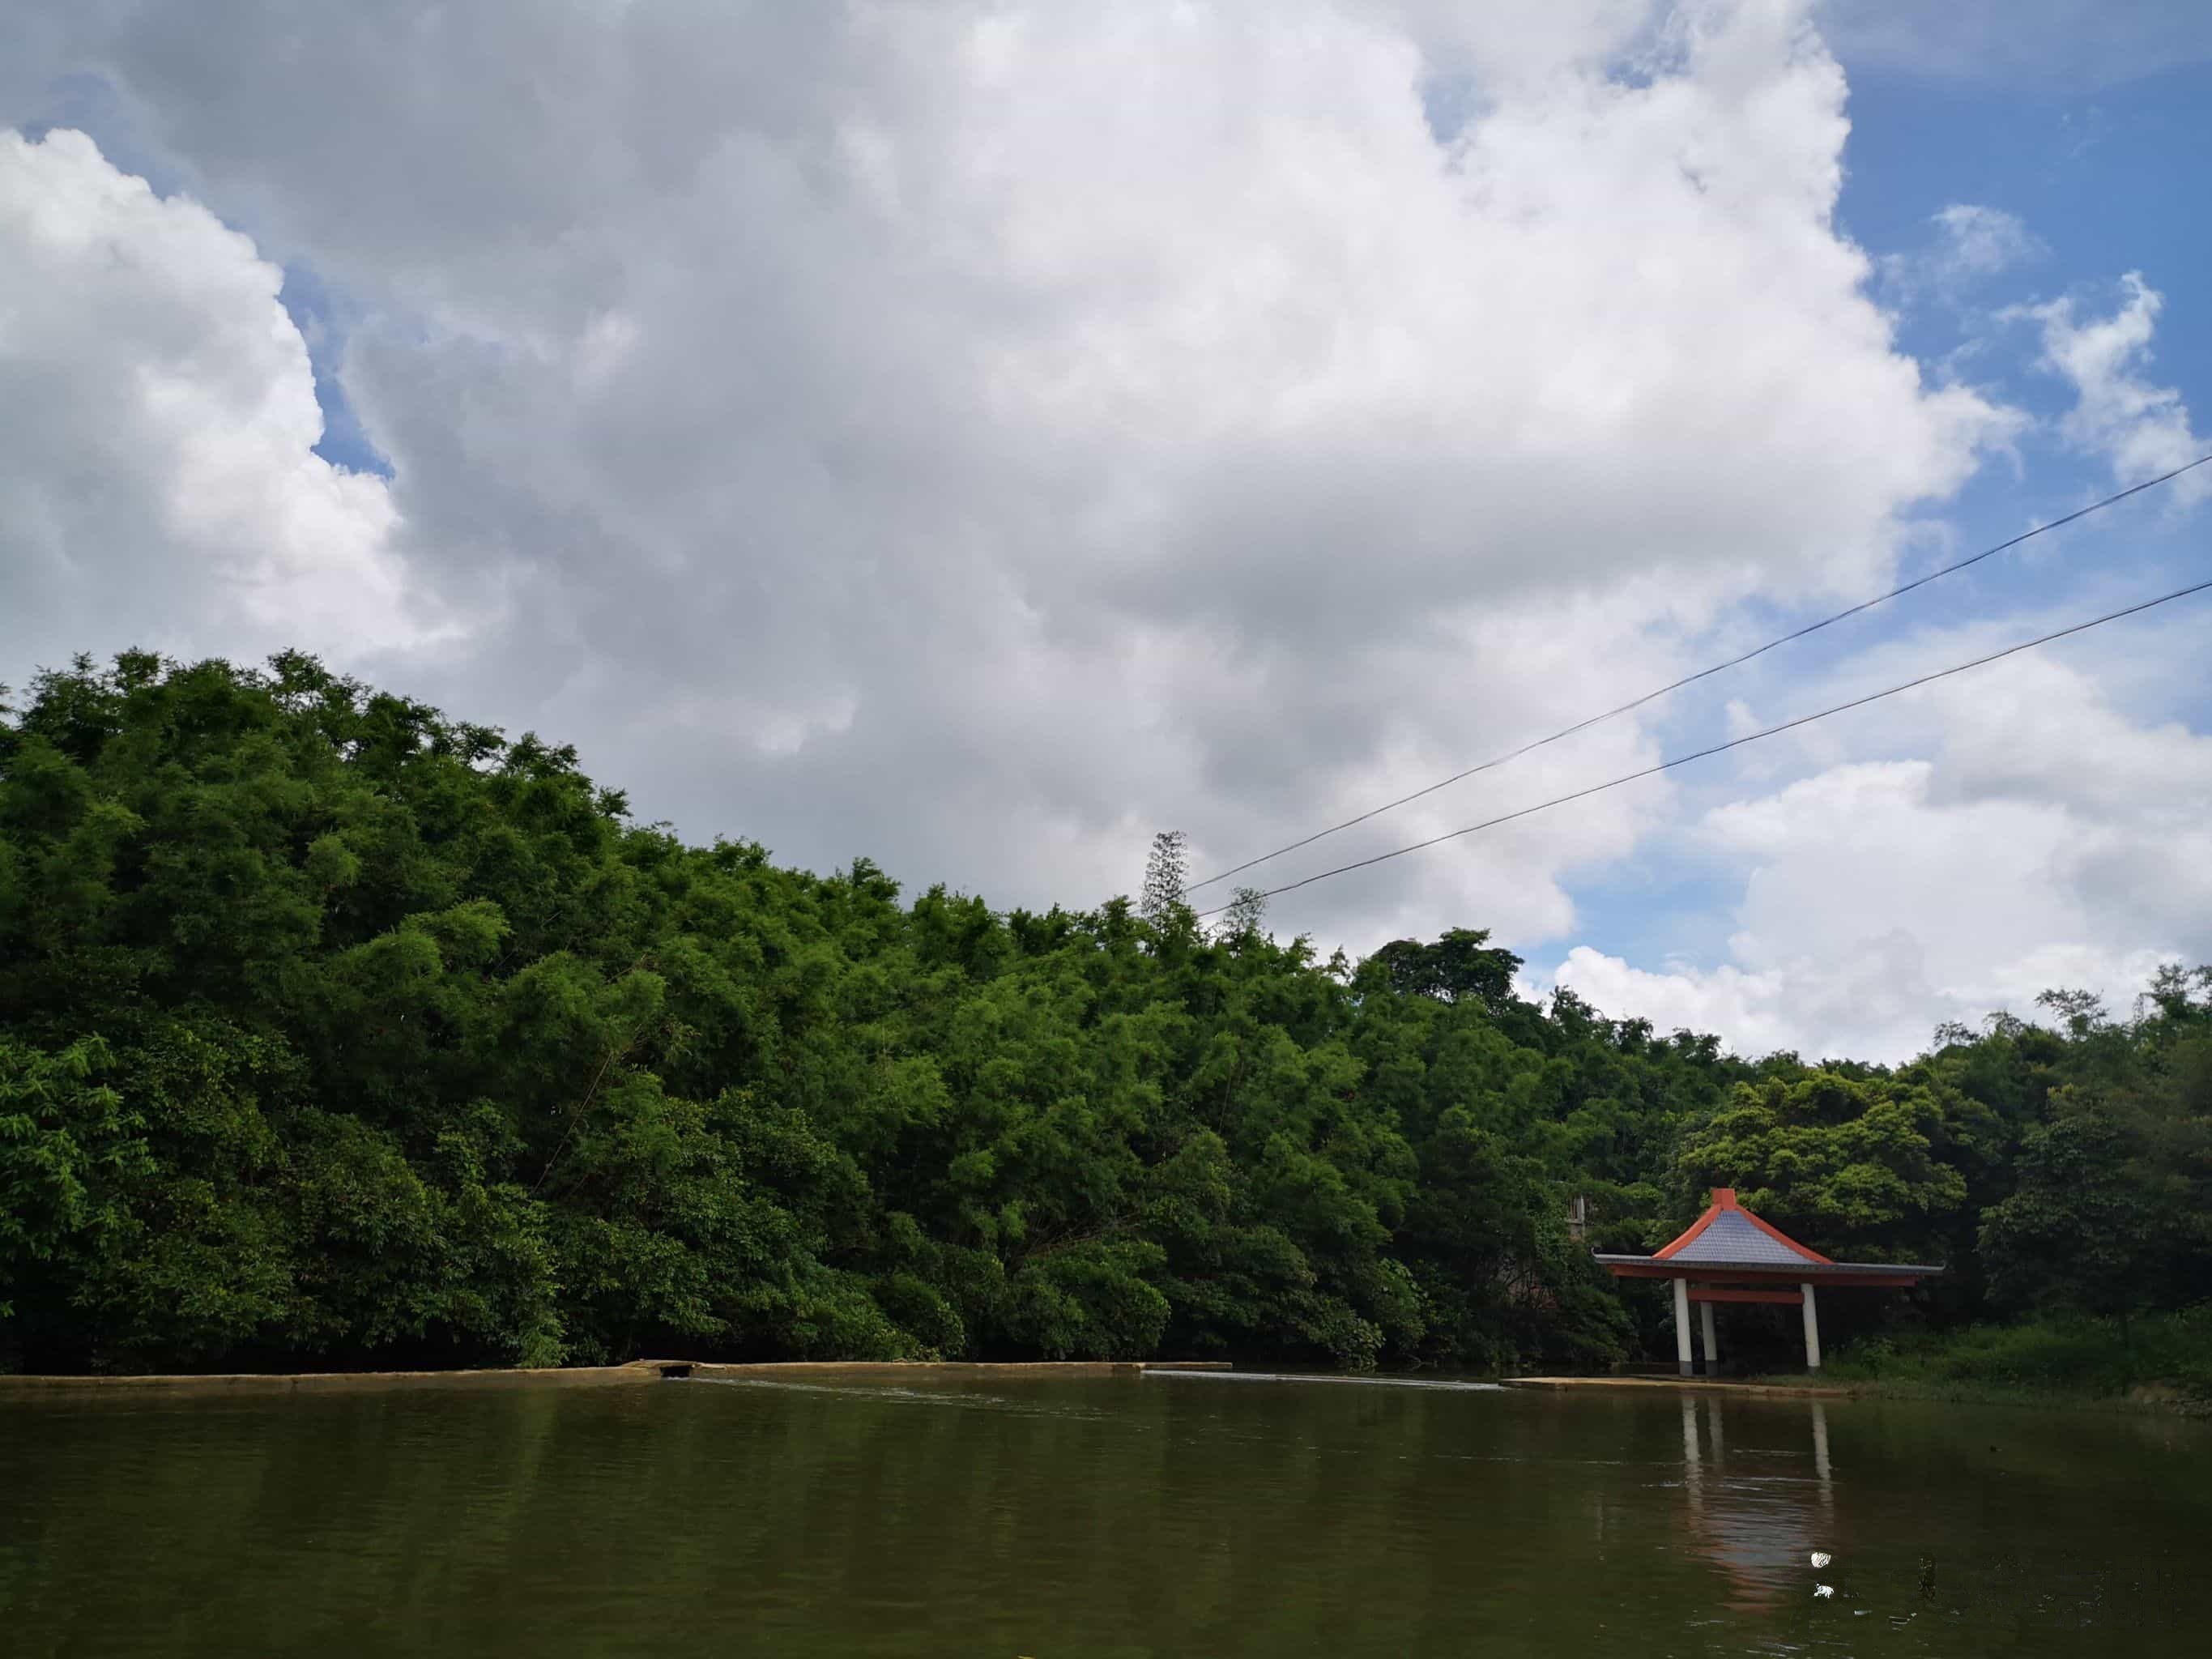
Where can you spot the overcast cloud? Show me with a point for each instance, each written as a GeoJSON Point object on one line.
{"type": "Point", "coordinates": [977, 435]}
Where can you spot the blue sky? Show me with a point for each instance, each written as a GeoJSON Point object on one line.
{"type": "Point", "coordinates": [2101, 180]}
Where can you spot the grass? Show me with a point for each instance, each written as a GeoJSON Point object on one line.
{"type": "Point", "coordinates": [2153, 1359]}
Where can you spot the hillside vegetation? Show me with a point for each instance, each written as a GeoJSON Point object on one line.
{"type": "Point", "coordinates": [336, 1032]}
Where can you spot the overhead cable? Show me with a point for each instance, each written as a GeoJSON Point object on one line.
{"type": "Point", "coordinates": [1705, 673]}
{"type": "Point", "coordinates": [1733, 742]}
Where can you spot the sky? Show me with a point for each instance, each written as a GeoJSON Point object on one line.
{"type": "Point", "coordinates": [975, 436]}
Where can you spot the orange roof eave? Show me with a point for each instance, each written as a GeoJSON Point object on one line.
{"type": "Point", "coordinates": [1902, 1276]}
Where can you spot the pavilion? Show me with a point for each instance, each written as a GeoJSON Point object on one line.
{"type": "Point", "coordinates": [1729, 1254]}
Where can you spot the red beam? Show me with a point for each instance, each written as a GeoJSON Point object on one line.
{"type": "Point", "coordinates": [1781, 1298]}
{"type": "Point", "coordinates": [1659, 1269]}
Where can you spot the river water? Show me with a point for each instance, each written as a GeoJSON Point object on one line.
{"type": "Point", "coordinates": [1124, 1518]}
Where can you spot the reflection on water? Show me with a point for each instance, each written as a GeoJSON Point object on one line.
{"type": "Point", "coordinates": [1757, 1517]}
{"type": "Point", "coordinates": [1044, 1404]}
{"type": "Point", "coordinates": [1443, 1384]}
{"type": "Point", "coordinates": [1080, 1520]}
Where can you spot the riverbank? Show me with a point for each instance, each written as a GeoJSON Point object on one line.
{"type": "Point", "coordinates": [2145, 1398]}
{"type": "Point", "coordinates": [637, 1371]}
{"type": "Point", "coordinates": [2157, 1363]}
{"type": "Point", "coordinates": [1779, 1387]}
{"type": "Point", "coordinates": [2151, 1398]}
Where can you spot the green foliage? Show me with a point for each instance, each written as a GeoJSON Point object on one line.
{"type": "Point", "coordinates": [2109, 1209]}
{"type": "Point", "coordinates": [66, 1143]}
{"type": "Point", "coordinates": [1839, 1162]}
{"type": "Point", "coordinates": [2074, 1232]}
{"type": "Point", "coordinates": [335, 1032]}
{"type": "Point", "coordinates": [2069, 1355]}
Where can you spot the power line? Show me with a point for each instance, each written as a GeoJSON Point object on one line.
{"type": "Point", "coordinates": [1733, 742]}
{"type": "Point", "coordinates": [1705, 673]}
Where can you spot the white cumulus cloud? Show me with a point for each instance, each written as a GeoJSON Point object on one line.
{"type": "Point", "coordinates": [1969, 243]}
{"type": "Point", "coordinates": [2044, 838]}
{"type": "Point", "coordinates": [157, 479]}
{"type": "Point", "coordinates": [978, 435]}
{"type": "Point", "coordinates": [2141, 427]}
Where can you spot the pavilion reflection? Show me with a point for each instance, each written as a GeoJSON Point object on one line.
{"type": "Point", "coordinates": [1756, 1515]}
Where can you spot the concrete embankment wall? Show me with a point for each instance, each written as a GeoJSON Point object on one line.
{"type": "Point", "coordinates": [637, 1371]}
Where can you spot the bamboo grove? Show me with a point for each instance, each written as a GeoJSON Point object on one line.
{"type": "Point", "coordinates": [336, 1033]}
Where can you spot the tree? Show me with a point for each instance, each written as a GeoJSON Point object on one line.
{"type": "Point", "coordinates": [1459, 967]}
{"type": "Point", "coordinates": [1839, 1162]}
{"type": "Point", "coordinates": [1246, 914]}
{"type": "Point", "coordinates": [2072, 1234]}
{"type": "Point", "coordinates": [1164, 902]}
{"type": "Point", "coordinates": [336, 1031]}
{"type": "Point", "coordinates": [64, 1136]}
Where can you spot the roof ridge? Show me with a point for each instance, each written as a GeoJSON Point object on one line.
{"type": "Point", "coordinates": [1724, 1205]}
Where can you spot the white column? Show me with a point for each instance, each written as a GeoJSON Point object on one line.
{"type": "Point", "coordinates": [1812, 1330]}
{"type": "Point", "coordinates": [1712, 1343]}
{"type": "Point", "coordinates": [1682, 1324]}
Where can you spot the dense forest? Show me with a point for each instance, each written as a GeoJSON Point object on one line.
{"type": "Point", "coordinates": [336, 1032]}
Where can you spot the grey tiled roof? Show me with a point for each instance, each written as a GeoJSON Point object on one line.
{"type": "Point", "coordinates": [1732, 1238]}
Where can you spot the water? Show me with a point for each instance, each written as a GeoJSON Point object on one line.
{"type": "Point", "coordinates": [1125, 1517]}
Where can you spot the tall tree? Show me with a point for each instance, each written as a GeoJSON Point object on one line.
{"type": "Point", "coordinates": [1164, 903]}
{"type": "Point", "coordinates": [1246, 914]}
